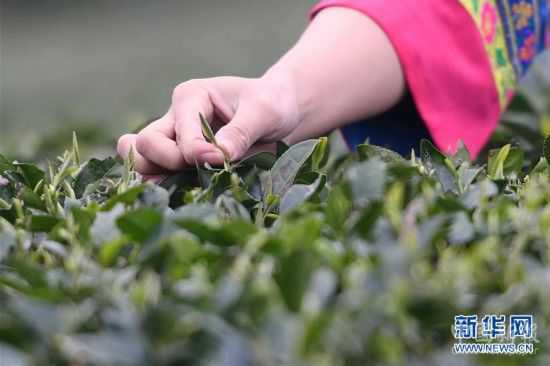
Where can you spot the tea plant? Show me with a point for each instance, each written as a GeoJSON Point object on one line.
{"type": "Point", "coordinates": [292, 258]}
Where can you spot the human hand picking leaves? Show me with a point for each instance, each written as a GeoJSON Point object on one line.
{"type": "Point", "coordinates": [243, 111]}
{"type": "Point", "coordinates": [319, 85]}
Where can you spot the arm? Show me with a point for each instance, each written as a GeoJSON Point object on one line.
{"type": "Point", "coordinates": [461, 62]}
{"type": "Point", "coordinates": [343, 68]}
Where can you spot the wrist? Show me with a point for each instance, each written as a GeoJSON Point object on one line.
{"type": "Point", "coordinates": [293, 101]}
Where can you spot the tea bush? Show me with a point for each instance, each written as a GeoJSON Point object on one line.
{"type": "Point", "coordinates": [294, 258]}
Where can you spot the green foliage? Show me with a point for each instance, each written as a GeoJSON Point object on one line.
{"type": "Point", "coordinates": [525, 124]}
{"type": "Point", "coordinates": [291, 258]}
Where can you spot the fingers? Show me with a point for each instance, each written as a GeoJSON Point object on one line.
{"type": "Point", "coordinates": [247, 127]}
{"type": "Point", "coordinates": [190, 100]}
{"type": "Point", "coordinates": [156, 144]}
{"type": "Point", "coordinates": [160, 150]}
{"type": "Point", "coordinates": [164, 125]}
{"type": "Point", "coordinates": [143, 166]}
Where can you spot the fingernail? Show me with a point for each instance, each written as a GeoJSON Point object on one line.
{"type": "Point", "coordinates": [154, 178]}
{"type": "Point", "coordinates": [212, 157]}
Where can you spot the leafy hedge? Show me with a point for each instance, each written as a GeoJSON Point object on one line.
{"type": "Point", "coordinates": [300, 258]}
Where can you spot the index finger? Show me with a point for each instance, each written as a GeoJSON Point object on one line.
{"type": "Point", "coordinates": [188, 103]}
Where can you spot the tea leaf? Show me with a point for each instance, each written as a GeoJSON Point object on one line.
{"type": "Point", "coordinates": [211, 138]}
{"type": "Point", "coordinates": [293, 276]}
{"type": "Point", "coordinates": [299, 193]}
{"type": "Point", "coordinates": [31, 173]}
{"type": "Point", "coordinates": [367, 180]}
{"type": "Point", "coordinates": [207, 130]}
{"type": "Point", "coordinates": [367, 151]}
{"type": "Point", "coordinates": [93, 171]}
{"type": "Point", "coordinates": [5, 164]}
{"type": "Point", "coordinates": [286, 168]}
{"type": "Point", "coordinates": [140, 224]}
{"type": "Point", "coordinates": [43, 223]}
{"type": "Point", "coordinates": [546, 149]}
{"type": "Point", "coordinates": [443, 167]}
{"type": "Point", "coordinates": [496, 162]}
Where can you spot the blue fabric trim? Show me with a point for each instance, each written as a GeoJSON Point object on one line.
{"type": "Point", "coordinates": [545, 19]}
{"type": "Point", "coordinates": [510, 44]}
{"type": "Point", "coordinates": [399, 129]}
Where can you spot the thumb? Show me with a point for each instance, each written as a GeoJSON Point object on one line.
{"type": "Point", "coordinates": [238, 136]}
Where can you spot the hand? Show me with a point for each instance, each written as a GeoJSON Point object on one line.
{"type": "Point", "coordinates": [243, 111]}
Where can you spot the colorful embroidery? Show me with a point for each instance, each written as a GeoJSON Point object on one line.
{"type": "Point", "coordinates": [489, 19]}
{"type": "Point", "coordinates": [513, 34]}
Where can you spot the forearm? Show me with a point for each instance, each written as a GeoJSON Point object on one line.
{"type": "Point", "coordinates": [343, 69]}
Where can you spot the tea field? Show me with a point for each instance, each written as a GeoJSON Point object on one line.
{"type": "Point", "coordinates": [303, 257]}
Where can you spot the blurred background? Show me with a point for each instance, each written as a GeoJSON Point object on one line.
{"type": "Point", "coordinates": [104, 67]}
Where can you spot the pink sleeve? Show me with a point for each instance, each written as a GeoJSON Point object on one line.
{"type": "Point", "coordinates": [445, 63]}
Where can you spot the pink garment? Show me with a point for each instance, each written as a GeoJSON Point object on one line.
{"type": "Point", "coordinates": [445, 64]}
